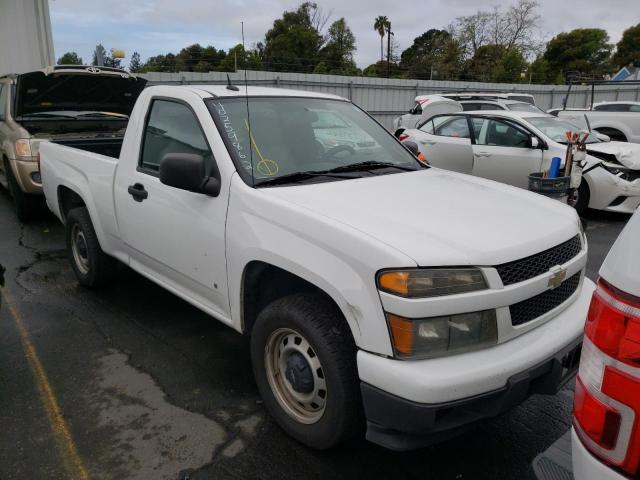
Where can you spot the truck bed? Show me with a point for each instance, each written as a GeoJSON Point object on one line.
{"type": "Point", "coordinates": [109, 146]}
{"type": "Point", "coordinates": [91, 176]}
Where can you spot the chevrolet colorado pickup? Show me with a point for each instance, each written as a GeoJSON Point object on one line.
{"type": "Point", "coordinates": [375, 290]}
{"type": "Point", "coordinates": [75, 105]}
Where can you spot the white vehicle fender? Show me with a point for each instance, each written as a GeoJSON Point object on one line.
{"type": "Point", "coordinates": [318, 250]}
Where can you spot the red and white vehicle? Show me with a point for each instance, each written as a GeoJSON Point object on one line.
{"type": "Point", "coordinates": [606, 422]}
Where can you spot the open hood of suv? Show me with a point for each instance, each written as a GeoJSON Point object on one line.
{"type": "Point", "coordinates": [78, 90]}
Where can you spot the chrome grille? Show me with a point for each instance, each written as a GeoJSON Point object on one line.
{"type": "Point", "coordinates": [534, 307]}
{"type": "Point", "coordinates": [529, 267]}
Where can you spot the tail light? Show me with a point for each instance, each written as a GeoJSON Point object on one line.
{"type": "Point", "coordinates": [403, 136]}
{"type": "Point", "coordinates": [607, 399]}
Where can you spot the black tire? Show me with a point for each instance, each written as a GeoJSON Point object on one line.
{"type": "Point", "coordinates": [98, 268]}
{"type": "Point", "coordinates": [322, 325]}
{"type": "Point", "coordinates": [584, 194]}
{"type": "Point", "coordinates": [24, 204]}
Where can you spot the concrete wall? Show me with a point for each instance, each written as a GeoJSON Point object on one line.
{"type": "Point", "coordinates": [25, 36]}
{"type": "Point", "coordinates": [387, 98]}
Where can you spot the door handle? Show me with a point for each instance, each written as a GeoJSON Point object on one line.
{"type": "Point", "coordinates": [427, 142]}
{"type": "Point", "coordinates": [138, 192]}
{"type": "Point", "coordinates": [482, 154]}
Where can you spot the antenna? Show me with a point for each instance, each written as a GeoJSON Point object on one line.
{"type": "Point", "coordinates": [231, 87]}
{"type": "Point", "coordinates": [246, 94]}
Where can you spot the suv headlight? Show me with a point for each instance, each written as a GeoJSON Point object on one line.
{"type": "Point", "coordinates": [23, 148]}
{"type": "Point", "coordinates": [432, 282]}
{"type": "Point", "coordinates": [439, 336]}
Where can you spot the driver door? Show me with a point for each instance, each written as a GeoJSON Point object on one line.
{"type": "Point", "coordinates": [503, 152]}
{"type": "Point", "coordinates": [172, 235]}
{"type": "Point", "coordinates": [446, 142]}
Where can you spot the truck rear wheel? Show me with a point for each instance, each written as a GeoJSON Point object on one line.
{"type": "Point", "coordinates": [91, 265]}
{"type": "Point", "coordinates": [24, 204]}
{"type": "Point", "coordinates": [304, 363]}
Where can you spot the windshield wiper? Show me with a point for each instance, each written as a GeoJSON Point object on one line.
{"type": "Point", "coordinates": [300, 176]}
{"type": "Point", "coordinates": [369, 165]}
{"type": "Point", "coordinates": [102, 115]}
{"type": "Point", "coordinates": [46, 114]}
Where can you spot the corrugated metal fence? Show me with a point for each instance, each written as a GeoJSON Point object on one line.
{"type": "Point", "coordinates": [387, 98]}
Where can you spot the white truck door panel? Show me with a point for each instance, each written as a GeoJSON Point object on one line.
{"type": "Point", "coordinates": [176, 235]}
{"type": "Point", "coordinates": [502, 153]}
{"type": "Point", "coordinates": [446, 143]}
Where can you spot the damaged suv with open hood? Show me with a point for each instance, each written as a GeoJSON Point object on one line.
{"type": "Point", "coordinates": [85, 107]}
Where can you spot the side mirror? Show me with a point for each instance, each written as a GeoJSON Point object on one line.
{"type": "Point", "coordinates": [535, 142]}
{"type": "Point", "coordinates": [412, 147]}
{"type": "Point", "coordinates": [186, 171]}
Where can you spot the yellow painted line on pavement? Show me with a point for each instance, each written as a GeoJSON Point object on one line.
{"type": "Point", "coordinates": [64, 440]}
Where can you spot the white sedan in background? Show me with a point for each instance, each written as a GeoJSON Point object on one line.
{"type": "Point", "coordinates": [507, 146]}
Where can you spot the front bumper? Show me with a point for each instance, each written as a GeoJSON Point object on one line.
{"type": "Point", "coordinates": [400, 424]}
{"type": "Point", "coordinates": [27, 175]}
{"type": "Point", "coordinates": [612, 193]}
{"type": "Point", "coordinates": [412, 403]}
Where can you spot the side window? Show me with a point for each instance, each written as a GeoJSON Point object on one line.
{"type": "Point", "coordinates": [503, 134]}
{"type": "Point", "coordinates": [427, 127]}
{"type": "Point", "coordinates": [416, 110]}
{"type": "Point", "coordinates": [3, 99]}
{"type": "Point", "coordinates": [451, 126]}
{"type": "Point", "coordinates": [171, 128]}
{"type": "Point", "coordinates": [634, 108]}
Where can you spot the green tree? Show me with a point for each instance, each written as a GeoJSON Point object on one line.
{"type": "Point", "coordinates": [160, 63]}
{"type": "Point", "coordinates": [294, 42]}
{"type": "Point", "coordinates": [70, 58]}
{"type": "Point", "coordinates": [510, 67]}
{"type": "Point", "coordinates": [583, 50]}
{"type": "Point", "coordinates": [485, 62]}
{"type": "Point", "coordinates": [196, 58]}
{"type": "Point", "coordinates": [238, 58]}
{"type": "Point", "coordinates": [380, 26]}
{"type": "Point", "coordinates": [539, 71]}
{"type": "Point", "coordinates": [135, 64]}
{"type": "Point", "coordinates": [434, 54]}
{"type": "Point", "coordinates": [337, 54]}
{"type": "Point", "coordinates": [628, 48]}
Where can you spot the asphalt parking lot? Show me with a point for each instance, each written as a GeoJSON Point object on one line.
{"type": "Point", "coordinates": [131, 382]}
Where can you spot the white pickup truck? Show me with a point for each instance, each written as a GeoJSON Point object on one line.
{"type": "Point", "coordinates": [372, 287]}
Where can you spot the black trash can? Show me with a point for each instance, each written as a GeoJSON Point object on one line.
{"type": "Point", "coordinates": [556, 188]}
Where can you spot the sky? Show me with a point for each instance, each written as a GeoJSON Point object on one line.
{"type": "Point", "coordinates": [152, 27]}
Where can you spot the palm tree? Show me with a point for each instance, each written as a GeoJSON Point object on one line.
{"type": "Point", "coordinates": [380, 25]}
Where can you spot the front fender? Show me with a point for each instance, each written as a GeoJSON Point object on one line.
{"type": "Point", "coordinates": [333, 257]}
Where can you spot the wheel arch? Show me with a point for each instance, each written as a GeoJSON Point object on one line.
{"type": "Point", "coordinates": [67, 200]}
{"type": "Point", "coordinates": [264, 282]}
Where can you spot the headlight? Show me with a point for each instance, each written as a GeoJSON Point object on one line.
{"type": "Point", "coordinates": [23, 149]}
{"type": "Point", "coordinates": [439, 336]}
{"type": "Point", "coordinates": [431, 282]}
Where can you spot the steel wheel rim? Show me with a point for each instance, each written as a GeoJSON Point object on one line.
{"type": "Point", "coordinates": [306, 408]}
{"type": "Point", "coordinates": [79, 249]}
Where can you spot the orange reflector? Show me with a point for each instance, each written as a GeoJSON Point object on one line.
{"type": "Point", "coordinates": [401, 333]}
{"type": "Point", "coordinates": [395, 282]}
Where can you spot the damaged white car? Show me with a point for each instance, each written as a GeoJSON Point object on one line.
{"type": "Point", "coordinates": [507, 146]}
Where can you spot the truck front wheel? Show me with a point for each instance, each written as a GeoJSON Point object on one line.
{"type": "Point", "coordinates": [304, 363]}
{"type": "Point", "coordinates": [91, 265]}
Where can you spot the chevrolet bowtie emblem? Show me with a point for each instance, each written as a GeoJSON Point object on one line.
{"type": "Point", "coordinates": [558, 274]}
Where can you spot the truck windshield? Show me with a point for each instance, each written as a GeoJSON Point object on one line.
{"type": "Point", "coordinates": [294, 140]}
{"type": "Point", "coordinates": [556, 128]}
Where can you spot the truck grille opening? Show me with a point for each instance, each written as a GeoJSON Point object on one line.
{"type": "Point", "coordinates": [534, 307]}
{"type": "Point", "coordinates": [529, 267]}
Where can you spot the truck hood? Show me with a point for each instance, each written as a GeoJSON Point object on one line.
{"type": "Point", "coordinates": [78, 91]}
{"type": "Point", "coordinates": [627, 154]}
{"type": "Point", "coordinates": [441, 218]}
